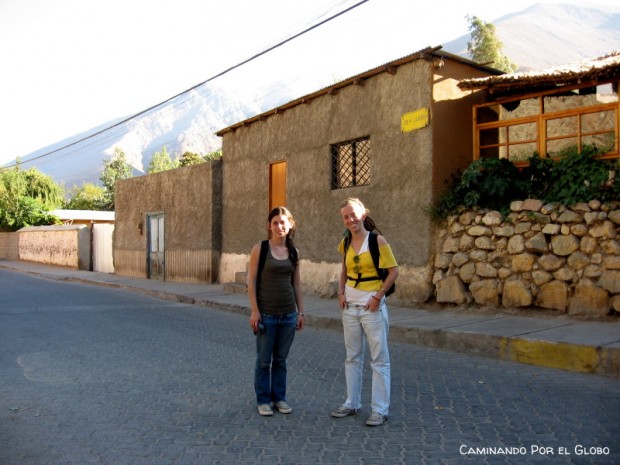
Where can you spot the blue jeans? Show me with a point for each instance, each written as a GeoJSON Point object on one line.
{"type": "Point", "coordinates": [361, 325]}
{"type": "Point", "coordinates": [272, 348]}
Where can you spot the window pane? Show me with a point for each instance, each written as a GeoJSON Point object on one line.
{"type": "Point", "coordinates": [562, 126]}
{"type": "Point", "coordinates": [599, 121]}
{"type": "Point", "coordinates": [586, 97]}
{"type": "Point", "coordinates": [492, 136]}
{"type": "Point", "coordinates": [522, 132]}
{"type": "Point", "coordinates": [520, 108]}
{"type": "Point", "coordinates": [521, 152]}
{"type": "Point", "coordinates": [491, 152]}
{"type": "Point", "coordinates": [345, 166]}
{"type": "Point", "coordinates": [487, 114]}
{"type": "Point", "coordinates": [560, 147]}
{"type": "Point", "coordinates": [603, 142]}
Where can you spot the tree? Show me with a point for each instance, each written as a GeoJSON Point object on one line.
{"type": "Point", "coordinates": [114, 169]}
{"type": "Point", "coordinates": [26, 197]}
{"type": "Point", "coordinates": [190, 158]}
{"type": "Point", "coordinates": [88, 196]}
{"type": "Point", "coordinates": [213, 155]}
{"type": "Point", "coordinates": [161, 161]}
{"type": "Point", "coordinates": [485, 47]}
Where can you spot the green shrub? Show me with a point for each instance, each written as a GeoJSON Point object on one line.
{"type": "Point", "coordinates": [581, 178]}
{"type": "Point", "coordinates": [494, 183]}
{"type": "Point", "coordinates": [487, 182]}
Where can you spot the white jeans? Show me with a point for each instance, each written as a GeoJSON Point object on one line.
{"type": "Point", "coordinates": [361, 325]}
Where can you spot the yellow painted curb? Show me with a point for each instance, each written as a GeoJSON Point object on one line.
{"type": "Point", "coordinates": [571, 357]}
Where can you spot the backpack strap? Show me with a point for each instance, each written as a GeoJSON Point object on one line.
{"type": "Point", "coordinates": [262, 257]}
{"type": "Point", "coordinates": [293, 255]}
{"type": "Point", "coordinates": [373, 246]}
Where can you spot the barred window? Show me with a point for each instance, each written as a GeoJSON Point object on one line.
{"type": "Point", "coordinates": [351, 163]}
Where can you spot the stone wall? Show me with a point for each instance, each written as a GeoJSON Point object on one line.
{"type": "Point", "coordinates": [542, 255]}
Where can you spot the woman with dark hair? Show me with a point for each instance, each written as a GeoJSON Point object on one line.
{"type": "Point", "coordinates": [363, 286]}
{"type": "Point", "coordinates": [276, 299]}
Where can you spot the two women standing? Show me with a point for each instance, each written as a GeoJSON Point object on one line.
{"type": "Point", "coordinates": [368, 271]}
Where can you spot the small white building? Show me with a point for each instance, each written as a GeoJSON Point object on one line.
{"type": "Point", "coordinates": [87, 217]}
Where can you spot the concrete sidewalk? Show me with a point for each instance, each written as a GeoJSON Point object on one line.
{"type": "Point", "coordinates": [556, 342]}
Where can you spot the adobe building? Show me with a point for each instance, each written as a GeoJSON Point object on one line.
{"type": "Point", "coordinates": [168, 224]}
{"type": "Point", "coordinates": [390, 136]}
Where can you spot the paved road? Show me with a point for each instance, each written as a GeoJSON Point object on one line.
{"type": "Point", "coordinates": [96, 375]}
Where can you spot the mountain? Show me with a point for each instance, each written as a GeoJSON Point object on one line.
{"type": "Point", "coordinates": [546, 35]}
{"type": "Point", "coordinates": [186, 123]}
{"type": "Point", "coordinates": [541, 36]}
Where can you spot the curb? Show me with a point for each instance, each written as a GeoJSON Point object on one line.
{"type": "Point", "coordinates": [571, 357]}
{"type": "Point", "coordinates": [604, 361]}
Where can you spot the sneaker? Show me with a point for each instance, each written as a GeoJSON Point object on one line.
{"type": "Point", "coordinates": [343, 411]}
{"type": "Point", "coordinates": [283, 407]}
{"type": "Point", "coordinates": [265, 410]}
{"type": "Point", "coordinates": [376, 419]}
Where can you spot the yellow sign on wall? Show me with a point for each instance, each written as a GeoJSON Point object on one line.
{"type": "Point", "coordinates": [414, 120]}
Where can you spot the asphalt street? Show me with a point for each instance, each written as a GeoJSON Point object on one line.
{"type": "Point", "coordinates": [99, 375]}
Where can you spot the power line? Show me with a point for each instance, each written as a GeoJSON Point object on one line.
{"type": "Point", "coordinates": [220, 74]}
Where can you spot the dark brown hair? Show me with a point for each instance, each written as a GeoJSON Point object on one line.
{"type": "Point", "coordinates": [291, 233]}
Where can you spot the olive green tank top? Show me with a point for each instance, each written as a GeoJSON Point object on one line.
{"type": "Point", "coordinates": [275, 294]}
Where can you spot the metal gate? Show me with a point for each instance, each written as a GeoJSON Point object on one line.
{"type": "Point", "coordinates": [103, 257]}
{"type": "Point", "coordinates": [155, 257]}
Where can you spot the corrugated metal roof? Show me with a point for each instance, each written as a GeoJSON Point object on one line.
{"type": "Point", "coordinates": [602, 68]}
{"type": "Point", "coordinates": [83, 215]}
{"type": "Point", "coordinates": [426, 53]}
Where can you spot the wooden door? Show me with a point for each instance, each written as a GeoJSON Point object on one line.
{"type": "Point", "coordinates": [277, 185]}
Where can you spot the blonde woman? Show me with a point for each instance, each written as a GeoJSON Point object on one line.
{"type": "Point", "coordinates": [361, 297]}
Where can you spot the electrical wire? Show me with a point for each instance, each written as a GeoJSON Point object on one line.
{"type": "Point", "coordinates": [187, 91]}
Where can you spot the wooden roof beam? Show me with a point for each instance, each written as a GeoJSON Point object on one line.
{"type": "Point", "coordinates": [391, 69]}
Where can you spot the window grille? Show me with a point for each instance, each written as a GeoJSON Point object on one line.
{"type": "Point", "coordinates": [351, 163]}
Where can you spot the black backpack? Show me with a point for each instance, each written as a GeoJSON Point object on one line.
{"type": "Point", "coordinates": [373, 247]}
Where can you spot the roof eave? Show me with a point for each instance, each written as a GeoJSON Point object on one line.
{"type": "Point", "coordinates": [427, 54]}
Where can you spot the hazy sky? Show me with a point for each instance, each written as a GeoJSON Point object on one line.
{"type": "Point", "coordinates": [70, 65]}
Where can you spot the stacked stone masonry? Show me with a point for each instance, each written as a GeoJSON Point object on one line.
{"type": "Point", "coordinates": [542, 255]}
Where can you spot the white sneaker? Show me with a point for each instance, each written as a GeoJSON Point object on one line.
{"type": "Point", "coordinates": [343, 411]}
{"type": "Point", "coordinates": [265, 410]}
{"type": "Point", "coordinates": [283, 407]}
{"type": "Point", "coordinates": [376, 419]}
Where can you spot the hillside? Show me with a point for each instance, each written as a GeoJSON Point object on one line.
{"type": "Point", "coordinates": [547, 35]}
{"type": "Point", "coordinates": [540, 36]}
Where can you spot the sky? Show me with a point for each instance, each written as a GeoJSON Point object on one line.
{"type": "Point", "coordinates": [70, 65]}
